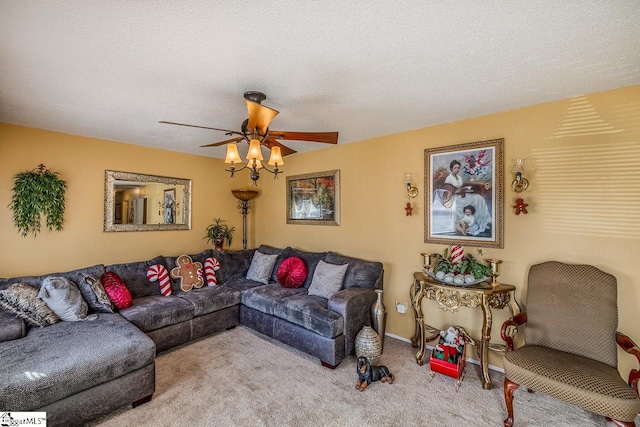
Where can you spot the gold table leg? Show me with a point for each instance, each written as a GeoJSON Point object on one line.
{"type": "Point", "coordinates": [484, 342]}
{"type": "Point", "coordinates": [416, 302]}
{"type": "Point", "coordinates": [415, 339]}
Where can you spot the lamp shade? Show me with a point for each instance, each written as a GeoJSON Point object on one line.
{"type": "Point", "coordinates": [276, 157]}
{"type": "Point", "coordinates": [519, 166]}
{"type": "Point", "coordinates": [254, 150]}
{"type": "Point", "coordinates": [232, 154]}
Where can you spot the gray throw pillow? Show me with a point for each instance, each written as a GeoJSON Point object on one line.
{"type": "Point", "coordinates": [64, 298]}
{"type": "Point", "coordinates": [22, 300]}
{"type": "Point", "coordinates": [94, 294]}
{"type": "Point", "coordinates": [327, 279]}
{"type": "Point", "coordinates": [261, 267]}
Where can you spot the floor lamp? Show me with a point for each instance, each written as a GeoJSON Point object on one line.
{"type": "Point", "coordinates": [244, 204]}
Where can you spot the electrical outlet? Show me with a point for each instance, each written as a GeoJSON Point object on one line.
{"type": "Point", "coordinates": [401, 307]}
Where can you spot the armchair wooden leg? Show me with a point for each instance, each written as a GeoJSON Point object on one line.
{"type": "Point", "coordinates": [622, 423]}
{"type": "Point", "coordinates": [509, 388]}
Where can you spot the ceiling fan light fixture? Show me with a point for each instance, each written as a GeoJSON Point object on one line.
{"type": "Point", "coordinates": [276, 157]}
{"type": "Point", "coordinates": [232, 154]}
{"type": "Point", "coordinates": [254, 150]}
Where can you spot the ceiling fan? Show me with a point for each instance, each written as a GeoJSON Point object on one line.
{"type": "Point", "coordinates": [256, 126]}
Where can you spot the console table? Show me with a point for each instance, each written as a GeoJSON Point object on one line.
{"type": "Point", "coordinates": [451, 298]}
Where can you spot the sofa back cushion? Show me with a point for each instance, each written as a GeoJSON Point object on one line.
{"type": "Point", "coordinates": [360, 273]}
{"type": "Point", "coordinates": [311, 260]}
{"type": "Point", "coordinates": [75, 276]}
{"type": "Point", "coordinates": [134, 276]}
{"type": "Point", "coordinates": [233, 264]}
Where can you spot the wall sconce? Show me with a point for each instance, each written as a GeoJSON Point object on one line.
{"type": "Point", "coordinates": [412, 192]}
{"type": "Point", "coordinates": [161, 207]}
{"type": "Point", "coordinates": [519, 185]}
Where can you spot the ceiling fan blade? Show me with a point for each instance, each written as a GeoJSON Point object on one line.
{"type": "Point", "coordinates": [259, 116]}
{"type": "Point", "coordinates": [230, 132]}
{"type": "Point", "coordinates": [217, 144]}
{"type": "Point", "coordinates": [325, 137]}
{"type": "Point", "coordinates": [272, 142]}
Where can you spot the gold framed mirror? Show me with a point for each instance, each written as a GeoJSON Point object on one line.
{"type": "Point", "coordinates": [139, 202]}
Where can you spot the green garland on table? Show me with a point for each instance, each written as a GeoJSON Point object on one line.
{"type": "Point", "coordinates": [38, 193]}
{"type": "Point", "coordinates": [468, 265]}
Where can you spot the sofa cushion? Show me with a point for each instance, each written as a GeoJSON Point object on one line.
{"type": "Point", "coordinates": [155, 312]}
{"type": "Point", "coordinates": [264, 298]}
{"type": "Point", "coordinates": [115, 287]}
{"type": "Point", "coordinates": [310, 312]}
{"type": "Point", "coordinates": [211, 298]}
{"type": "Point", "coordinates": [22, 300]}
{"type": "Point", "coordinates": [74, 275]}
{"type": "Point", "coordinates": [261, 267]}
{"type": "Point", "coordinates": [134, 275]}
{"type": "Point", "coordinates": [292, 272]}
{"type": "Point", "coordinates": [170, 262]}
{"type": "Point", "coordinates": [311, 259]}
{"type": "Point", "coordinates": [52, 363]}
{"type": "Point", "coordinates": [64, 298]}
{"type": "Point", "coordinates": [233, 264]}
{"type": "Point", "coordinates": [11, 327]}
{"type": "Point", "coordinates": [327, 279]}
{"type": "Point", "coordinates": [360, 273]}
{"type": "Point", "coordinates": [94, 294]}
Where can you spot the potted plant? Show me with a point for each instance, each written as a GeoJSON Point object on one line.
{"type": "Point", "coordinates": [218, 233]}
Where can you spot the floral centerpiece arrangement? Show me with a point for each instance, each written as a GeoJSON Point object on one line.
{"type": "Point", "coordinates": [457, 268]}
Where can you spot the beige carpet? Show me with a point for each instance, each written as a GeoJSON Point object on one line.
{"type": "Point", "coordinates": [241, 378]}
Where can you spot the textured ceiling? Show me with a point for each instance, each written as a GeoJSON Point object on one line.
{"type": "Point", "coordinates": [112, 70]}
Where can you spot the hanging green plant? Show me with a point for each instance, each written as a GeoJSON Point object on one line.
{"type": "Point", "coordinates": [38, 193]}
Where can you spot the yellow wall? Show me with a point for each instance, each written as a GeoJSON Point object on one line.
{"type": "Point", "coordinates": [583, 201]}
{"type": "Point", "coordinates": [81, 162]}
{"type": "Point", "coordinates": [583, 192]}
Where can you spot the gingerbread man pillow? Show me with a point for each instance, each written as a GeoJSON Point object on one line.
{"type": "Point", "coordinates": [189, 273]}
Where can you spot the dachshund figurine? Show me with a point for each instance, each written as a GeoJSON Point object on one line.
{"type": "Point", "coordinates": [368, 374]}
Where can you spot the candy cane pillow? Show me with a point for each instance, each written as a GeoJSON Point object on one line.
{"type": "Point", "coordinates": [211, 265]}
{"type": "Point", "coordinates": [159, 273]}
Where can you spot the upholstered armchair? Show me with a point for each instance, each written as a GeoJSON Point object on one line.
{"type": "Point", "coordinates": [570, 340]}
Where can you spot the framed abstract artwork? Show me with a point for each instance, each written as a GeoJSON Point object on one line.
{"type": "Point", "coordinates": [463, 194]}
{"type": "Point", "coordinates": [314, 198]}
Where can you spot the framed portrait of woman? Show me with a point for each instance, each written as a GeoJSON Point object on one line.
{"type": "Point", "coordinates": [463, 194]}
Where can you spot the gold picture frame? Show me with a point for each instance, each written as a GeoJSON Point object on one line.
{"type": "Point", "coordinates": [314, 198]}
{"type": "Point", "coordinates": [463, 194]}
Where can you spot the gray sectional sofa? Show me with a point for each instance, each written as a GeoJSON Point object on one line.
{"type": "Point", "coordinates": [77, 371]}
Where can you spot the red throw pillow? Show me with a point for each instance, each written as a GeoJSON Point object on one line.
{"type": "Point", "coordinates": [116, 289]}
{"type": "Point", "coordinates": [292, 272]}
